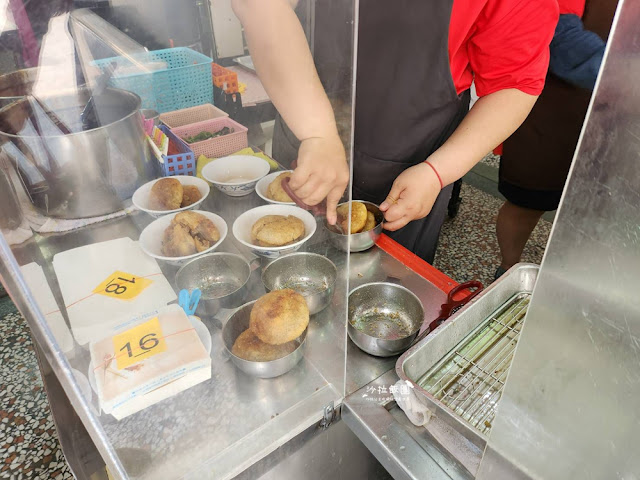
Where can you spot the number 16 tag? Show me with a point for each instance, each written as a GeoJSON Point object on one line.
{"type": "Point", "coordinates": [139, 343]}
{"type": "Point", "coordinates": [123, 286]}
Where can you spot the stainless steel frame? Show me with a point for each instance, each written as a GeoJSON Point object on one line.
{"type": "Point", "coordinates": [570, 406]}
{"type": "Point", "coordinates": [406, 451]}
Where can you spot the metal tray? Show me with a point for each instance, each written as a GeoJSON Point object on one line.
{"type": "Point", "coordinates": [447, 343]}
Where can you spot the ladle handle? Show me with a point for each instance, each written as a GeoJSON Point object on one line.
{"type": "Point", "coordinates": [317, 210]}
{"type": "Point", "coordinates": [452, 305]}
{"type": "Point", "coordinates": [447, 309]}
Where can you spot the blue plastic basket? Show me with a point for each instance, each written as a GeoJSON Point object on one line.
{"type": "Point", "coordinates": [183, 163]}
{"type": "Point", "coordinates": [185, 82]}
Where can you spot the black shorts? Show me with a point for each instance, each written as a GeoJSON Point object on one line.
{"type": "Point", "coordinates": [544, 200]}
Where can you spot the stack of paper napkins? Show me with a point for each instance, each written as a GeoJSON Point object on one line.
{"type": "Point", "coordinates": [106, 284]}
{"type": "Point", "coordinates": [147, 361]}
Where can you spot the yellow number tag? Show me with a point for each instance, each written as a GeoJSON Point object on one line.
{"type": "Point", "coordinates": [123, 286]}
{"type": "Point", "coordinates": [139, 343]}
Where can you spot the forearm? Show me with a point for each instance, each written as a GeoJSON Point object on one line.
{"type": "Point", "coordinates": [285, 66]}
{"type": "Point", "coordinates": [491, 120]}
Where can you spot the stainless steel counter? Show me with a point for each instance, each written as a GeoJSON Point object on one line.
{"type": "Point", "coordinates": [221, 427]}
{"type": "Point", "coordinates": [228, 410]}
{"type": "Point", "coordinates": [447, 446]}
{"type": "Point", "coordinates": [376, 265]}
{"type": "Point", "coordinates": [406, 451]}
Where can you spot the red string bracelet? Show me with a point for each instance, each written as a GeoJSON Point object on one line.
{"type": "Point", "coordinates": [437, 174]}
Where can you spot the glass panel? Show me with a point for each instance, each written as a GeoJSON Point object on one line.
{"type": "Point", "coordinates": [99, 103]}
{"type": "Point", "coordinates": [569, 407]}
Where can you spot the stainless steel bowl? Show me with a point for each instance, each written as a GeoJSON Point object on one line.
{"type": "Point", "coordinates": [238, 323]}
{"type": "Point", "coordinates": [384, 318]}
{"type": "Point", "coordinates": [359, 241]}
{"type": "Point", "coordinates": [221, 277]}
{"type": "Point", "coordinates": [311, 275]}
{"type": "Point", "coordinates": [87, 172]}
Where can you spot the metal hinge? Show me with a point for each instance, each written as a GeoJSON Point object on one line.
{"type": "Point", "coordinates": [328, 415]}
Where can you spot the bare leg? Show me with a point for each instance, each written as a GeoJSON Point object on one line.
{"type": "Point", "coordinates": [513, 228]}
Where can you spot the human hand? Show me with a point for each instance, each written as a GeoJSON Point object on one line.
{"type": "Point", "coordinates": [412, 196]}
{"type": "Point", "coordinates": [322, 172]}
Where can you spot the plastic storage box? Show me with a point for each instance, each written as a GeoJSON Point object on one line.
{"type": "Point", "coordinates": [182, 163]}
{"type": "Point", "coordinates": [218, 146]}
{"type": "Point", "coordinates": [190, 115]}
{"type": "Point", "coordinates": [223, 75]}
{"type": "Point", "coordinates": [178, 78]}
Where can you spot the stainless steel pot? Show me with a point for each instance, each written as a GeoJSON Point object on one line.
{"type": "Point", "coordinates": [222, 278]}
{"type": "Point", "coordinates": [238, 323]}
{"type": "Point", "coordinates": [84, 173]}
{"type": "Point", "coordinates": [10, 210]}
{"type": "Point", "coordinates": [311, 275]}
{"type": "Point", "coordinates": [359, 241]}
{"type": "Point", "coordinates": [383, 318]}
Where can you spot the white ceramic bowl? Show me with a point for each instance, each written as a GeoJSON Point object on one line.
{"type": "Point", "coordinates": [140, 198]}
{"type": "Point", "coordinates": [243, 224]}
{"type": "Point", "coordinates": [151, 238]}
{"type": "Point", "coordinates": [263, 185]}
{"type": "Point", "coordinates": [236, 175]}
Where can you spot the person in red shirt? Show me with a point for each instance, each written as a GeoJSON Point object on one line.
{"type": "Point", "coordinates": [413, 135]}
{"type": "Point", "coordinates": [535, 160]}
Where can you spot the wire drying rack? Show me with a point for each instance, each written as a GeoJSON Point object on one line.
{"type": "Point", "coordinates": [469, 380]}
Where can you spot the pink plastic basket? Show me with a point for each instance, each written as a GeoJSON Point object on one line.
{"type": "Point", "coordinates": [215, 147]}
{"type": "Point", "coordinates": [187, 116]}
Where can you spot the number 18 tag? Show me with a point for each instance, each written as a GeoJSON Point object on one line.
{"type": "Point", "coordinates": [139, 343]}
{"type": "Point", "coordinates": [123, 286]}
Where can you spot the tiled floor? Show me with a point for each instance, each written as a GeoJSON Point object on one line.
{"type": "Point", "coordinates": [28, 443]}
{"type": "Point", "coordinates": [468, 248]}
{"type": "Point", "coordinates": [29, 446]}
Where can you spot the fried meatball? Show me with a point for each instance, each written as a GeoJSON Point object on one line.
{"type": "Point", "coordinates": [358, 216]}
{"type": "Point", "coordinates": [370, 224]}
{"type": "Point", "coordinates": [277, 230]}
{"type": "Point", "coordinates": [201, 243]}
{"type": "Point", "coordinates": [198, 224]}
{"type": "Point", "coordinates": [259, 225]}
{"type": "Point", "coordinates": [279, 317]}
{"type": "Point", "coordinates": [177, 241]}
{"type": "Point", "coordinates": [275, 190]}
{"type": "Point", "coordinates": [166, 194]}
{"type": "Point", "coordinates": [250, 347]}
{"type": "Point", "coordinates": [190, 195]}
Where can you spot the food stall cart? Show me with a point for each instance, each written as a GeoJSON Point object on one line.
{"type": "Point", "coordinates": [328, 409]}
{"type": "Point", "coordinates": [81, 170]}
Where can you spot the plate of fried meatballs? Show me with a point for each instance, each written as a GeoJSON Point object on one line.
{"type": "Point", "coordinates": [273, 230]}
{"type": "Point", "coordinates": [270, 188]}
{"type": "Point", "coordinates": [170, 194]}
{"type": "Point", "coordinates": [181, 236]}
{"type": "Point", "coordinates": [266, 337]}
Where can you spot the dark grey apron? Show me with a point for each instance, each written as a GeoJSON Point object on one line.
{"type": "Point", "coordinates": [406, 105]}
